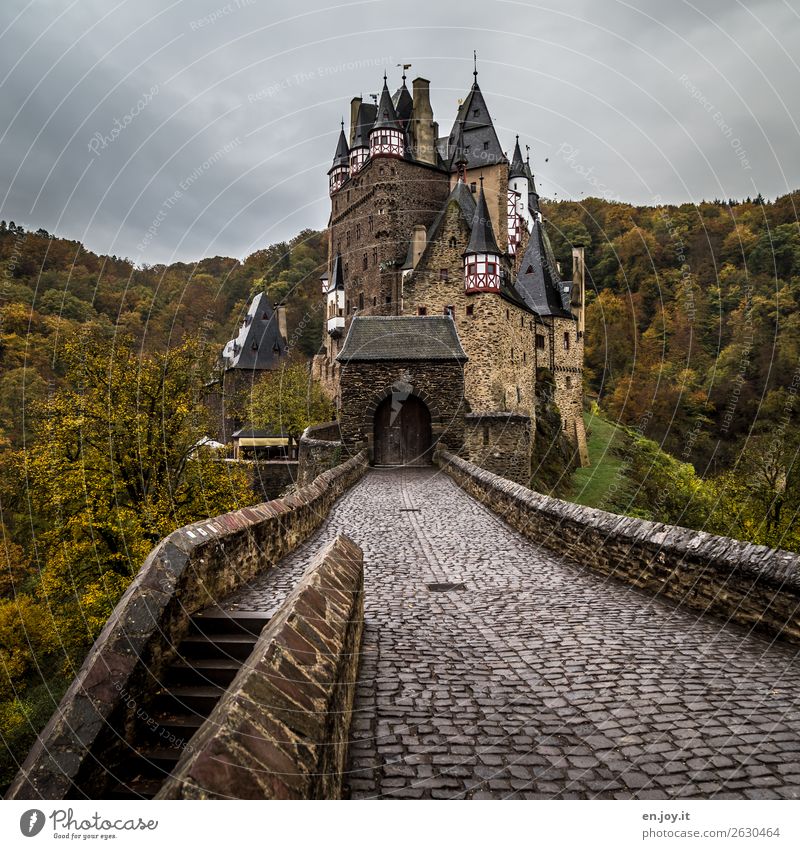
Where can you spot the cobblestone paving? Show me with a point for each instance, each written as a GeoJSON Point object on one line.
{"type": "Point", "coordinates": [538, 678]}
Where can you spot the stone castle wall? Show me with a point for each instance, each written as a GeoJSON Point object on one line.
{"type": "Point", "coordinates": [500, 443]}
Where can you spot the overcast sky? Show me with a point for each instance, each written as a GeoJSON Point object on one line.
{"type": "Point", "coordinates": [167, 131]}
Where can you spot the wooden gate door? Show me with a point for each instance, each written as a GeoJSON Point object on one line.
{"type": "Point", "coordinates": [402, 435]}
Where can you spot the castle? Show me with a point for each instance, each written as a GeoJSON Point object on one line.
{"type": "Point", "coordinates": [446, 312]}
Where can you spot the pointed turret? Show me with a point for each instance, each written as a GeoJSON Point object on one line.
{"type": "Point", "coordinates": [482, 271]}
{"type": "Point", "coordinates": [517, 165]}
{"type": "Point", "coordinates": [340, 170]}
{"type": "Point", "coordinates": [335, 299]}
{"type": "Point", "coordinates": [481, 145]}
{"type": "Point", "coordinates": [387, 137]}
{"type": "Point", "coordinates": [533, 195]}
{"type": "Point", "coordinates": [403, 104]}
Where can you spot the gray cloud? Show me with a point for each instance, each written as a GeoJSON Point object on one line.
{"type": "Point", "coordinates": [683, 101]}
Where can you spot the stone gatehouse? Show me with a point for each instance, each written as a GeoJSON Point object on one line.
{"type": "Point", "coordinates": [402, 388]}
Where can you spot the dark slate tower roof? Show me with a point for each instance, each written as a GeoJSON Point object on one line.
{"type": "Point", "coordinates": [482, 240]}
{"type": "Point", "coordinates": [481, 145]}
{"type": "Point", "coordinates": [538, 281]}
{"type": "Point", "coordinates": [533, 195]}
{"type": "Point", "coordinates": [403, 104]}
{"type": "Point", "coordinates": [342, 155]}
{"type": "Point", "coordinates": [337, 275]}
{"type": "Point", "coordinates": [259, 343]}
{"type": "Point", "coordinates": [364, 121]}
{"type": "Point", "coordinates": [517, 165]}
{"type": "Point", "coordinates": [387, 116]}
{"type": "Point", "coordinates": [466, 204]}
{"type": "Point", "coordinates": [373, 337]}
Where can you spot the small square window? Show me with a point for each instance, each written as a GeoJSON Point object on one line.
{"type": "Point", "coordinates": [566, 341]}
{"type": "Point", "coordinates": [491, 268]}
{"type": "Point", "coordinates": [422, 310]}
{"type": "Point", "coordinates": [451, 311]}
{"type": "Point", "coordinates": [540, 341]}
{"type": "Point", "coordinates": [443, 274]}
{"type": "Point", "coordinates": [473, 187]}
{"type": "Point", "coordinates": [470, 309]}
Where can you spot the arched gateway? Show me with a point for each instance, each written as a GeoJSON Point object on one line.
{"type": "Point", "coordinates": [402, 432]}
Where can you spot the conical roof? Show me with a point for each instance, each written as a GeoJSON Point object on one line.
{"type": "Point", "coordinates": [480, 143]}
{"type": "Point", "coordinates": [538, 281]}
{"type": "Point", "coordinates": [337, 275]}
{"type": "Point", "coordinates": [342, 155]}
{"type": "Point", "coordinates": [482, 240]}
{"type": "Point", "coordinates": [403, 104]}
{"type": "Point", "coordinates": [517, 165]}
{"type": "Point", "coordinates": [387, 115]}
{"type": "Point", "coordinates": [533, 195]}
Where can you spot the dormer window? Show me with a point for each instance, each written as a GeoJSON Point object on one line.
{"type": "Point", "coordinates": [529, 270]}
{"type": "Point", "coordinates": [254, 346]}
{"type": "Point", "coordinates": [486, 145]}
{"type": "Point", "coordinates": [476, 112]}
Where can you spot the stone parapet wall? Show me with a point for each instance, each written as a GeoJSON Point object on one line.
{"type": "Point", "coordinates": [320, 449]}
{"type": "Point", "coordinates": [190, 569]}
{"type": "Point", "coordinates": [749, 584]}
{"type": "Point", "coordinates": [281, 729]}
{"type": "Point", "coordinates": [500, 443]}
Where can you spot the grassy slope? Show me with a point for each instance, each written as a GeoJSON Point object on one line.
{"type": "Point", "coordinates": [604, 483]}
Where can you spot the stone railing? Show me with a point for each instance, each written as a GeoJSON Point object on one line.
{"type": "Point", "coordinates": [320, 449]}
{"type": "Point", "coordinates": [189, 570]}
{"type": "Point", "coordinates": [280, 731]}
{"type": "Point", "coordinates": [750, 584]}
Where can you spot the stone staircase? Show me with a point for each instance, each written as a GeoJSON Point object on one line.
{"type": "Point", "coordinates": [208, 659]}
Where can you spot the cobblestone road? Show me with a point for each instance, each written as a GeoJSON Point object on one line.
{"type": "Point", "coordinates": [537, 678]}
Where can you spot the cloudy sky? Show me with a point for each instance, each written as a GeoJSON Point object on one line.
{"type": "Point", "coordinates": [167, 131]}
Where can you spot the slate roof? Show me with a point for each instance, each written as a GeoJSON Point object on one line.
{"type": "Point", "coordinates": [372, 338]}
{"type": "Point", "coordinates": [482, 240]}
{"type": "Point", "coordinates": [403, 104]}
{"type": "Point", "coordinates": [462, 195]}
{"type": "Point", "coordinates": [365, 118]}
{"type": "Point", "coordinates": [258, 344]}
{"type": "Point", "coordinates": [480, 142]}
{"type": "Point", "coordinates": [386, 116]}
{"type": "Point", "coordinates": [541, 288]}
{"type": "Point", "coordinates": [342, 155]}
{"type": "Point", "coordinates": [517, 165]}
{"type": "Point", "coordinates": [337, 275]}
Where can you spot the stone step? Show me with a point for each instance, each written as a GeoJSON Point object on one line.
{"type": "Point", "coordinates": [217, 646]}
{"type": "Point", "coordinates": [214, 620]}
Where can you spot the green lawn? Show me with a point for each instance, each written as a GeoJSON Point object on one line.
{"type": "Point", "coordinates": [604, 483]}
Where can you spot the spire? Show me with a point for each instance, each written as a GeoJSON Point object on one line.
{"type": "Point", "coordinates": [387, 116]}
{"type": "Point", "coordinates": [337, 275]}
{"type": "Point", "coordinates": [517, 166]}
{"type": "Point", "coordinates": [533, 195]}
{"type": "Point", "coordinates": [482, 240]}
{"type": "Point", "coordinates": [475, 66]}
{"type": "Point", "coordinates": [342, 155]}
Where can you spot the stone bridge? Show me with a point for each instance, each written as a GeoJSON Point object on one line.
{"type": "Point", "coordinates": [492, 667]}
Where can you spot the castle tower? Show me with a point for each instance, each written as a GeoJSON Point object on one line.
{"type": "Point", "coordinates": [340, 170]}
{"type": "Point", "coordinates": [482, 258]}
{"type": "Point", "coordinates": [362, 119]}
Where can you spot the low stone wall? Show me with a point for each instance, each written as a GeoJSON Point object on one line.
{"type": "Point", "coordinates": [500, 443]}
{"type": "Point", "coordinates": [750, 584]}
{"type": "Point", "coordinates": [193, 567]}
{"type": "Point", "coordinates": [269, 478]}
{"type": "Point", "coordinates": [281, 729]}
{"type": "Point", "coordinates": [320, 449]}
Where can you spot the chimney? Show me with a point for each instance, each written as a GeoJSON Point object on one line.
{"type": "Point", "coordinates": [418, 242]}
{"type": "Point", "coordinates": [355, 104]}
{"type": "Point", "coordinates": [578, 296]}
{"type": "Point", "coordinates": [422, 126]}
{"type": "Point", "coordinates": [280, 315]}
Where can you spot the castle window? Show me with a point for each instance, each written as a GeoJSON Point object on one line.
{"type": "Point", "coordinates": [348, 306]}
{"type": "Point", "coordinates": [422, 310]}
{"type": "Point", "coordinates": [375, 256]}
{"type": "Point", "coordinates": [508, 314]}
{"type": "Point", "coordinates": [443, 274]}
{"type": "Point", "coordinates": [486, 434]}
{"type": "Point", "coordinates": [522, 321]}
{"type": "Point", "coordinates": [453, 242]}
{"type": "Point", "coordinates": [360, 301]}
{"type": "Point", "coordinates": [473, 187]}
{"type": "Point", "coordinates": [347, 239]}
{"type": "Point", "coordinates": [579, 335]}
{"type": "Point", "coordinates": [336, 206]}
{"type": "Point", "coordinates": [569, 382]}
{"type": "Point", "coordinates": [338, 246]}
{"type": "Point", "coordinates": [524, 356]}
{"type": "Point", "coordinates": [375, 301]}
{"type": "Point", "coordinates": [451, 311]}
{"type": "Point", "coordinates": [388, 299]}
{"type": "Point", "coordinates": [358, 231]}
{"type": "Point", "coordinates": [348, 196]}
{"type": "Point", "coordinates": [491, 268]}
{"type": "Point", "coordinates": [529, 270]}
{"type": "Point", "coordinates": [476, 112]}
{"type": "Point", "coordinates": [471, 268]}
{"type": "Point", "coordinates": [566, 341]}
{"type": "Point", "coordinates": [370, 223]}
{"type": "Point", "coordinates": [540, 341]}
{"type": "Point", "coordinates": [471, 309]}
{"type": "Point", "coordinates": [366, 261]}
{"type": "Point", "coordinates": [341, 312]}
{"type": "Point", "coordinates": [512, 355]}
{"type": "Point", "coordinates": [381, 211]}
{"type": "Point", "coordinates": [519, 395]}
{"type": "Point", "coordinates": [486, 145]}
{"type": "Point", "coordinates": [254, 346]}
